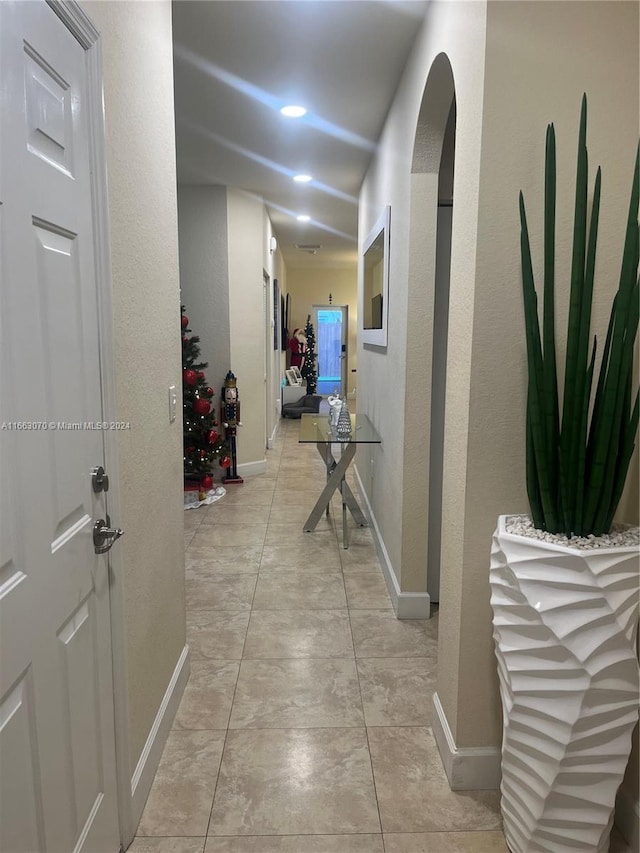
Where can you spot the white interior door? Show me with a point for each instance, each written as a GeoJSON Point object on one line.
{"type": "Point", "coordinates": [57, 751]}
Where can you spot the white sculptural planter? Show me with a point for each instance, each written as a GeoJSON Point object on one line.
{"type": "Point", "coordinates": [564, 628]}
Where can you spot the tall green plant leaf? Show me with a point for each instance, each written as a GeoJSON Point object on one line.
{"type": "Point", "coordinates": [535, 368]}
{"type": "Point", "coordinates": [533, 488]}
{"type": "Point", "coordinates": [573, 381]}
{"type": "Point", "coordinates": [550, 380]}
{"type": "Point", "coordinates": [583, 388]}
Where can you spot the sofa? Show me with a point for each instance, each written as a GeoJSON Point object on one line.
{"type": "Point", "coordinates": [308, 404]}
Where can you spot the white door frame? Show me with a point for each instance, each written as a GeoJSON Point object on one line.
{"type": "Point", "coordinates": [79, 24]}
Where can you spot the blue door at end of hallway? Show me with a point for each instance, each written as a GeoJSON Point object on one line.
{"type": "Point", "coordinates": [332, 348]}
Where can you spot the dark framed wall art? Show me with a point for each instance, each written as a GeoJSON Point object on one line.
{"type": "Point", "coordinates": [276, 312]}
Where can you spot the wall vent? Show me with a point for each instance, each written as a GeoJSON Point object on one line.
{"type": "Point", "coordinates": [311, 248]}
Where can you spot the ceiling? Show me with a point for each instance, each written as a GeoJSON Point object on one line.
{"type": "Point", "coordinates": [236, 62]}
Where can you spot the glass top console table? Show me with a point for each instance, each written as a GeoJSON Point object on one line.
{"type": "Point", "coordinates": [315, 429]}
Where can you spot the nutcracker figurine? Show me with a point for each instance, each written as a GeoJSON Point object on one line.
{"type": "Point", "coordinates": [231, 421]}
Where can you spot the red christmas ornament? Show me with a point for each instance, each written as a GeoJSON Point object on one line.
{"type": "Point", "coordinates": [201, 407]}
{"type": "Point", "coordinates": [213, 436]}
{"type": "Point", "coordinates": [184, 321]}
{"type": "Point", "coordinates": [209, 391]}
{"type": "Point", "coordinates": [225, 462]}
{"type": "Point", "coordinates": [200, 374]}
{"type": "Point", "coordinates": [206, 483]}
{"type": "Point", "coordinates": [185, 339]}
{"type": "Point", "coordinates": [190, 376]}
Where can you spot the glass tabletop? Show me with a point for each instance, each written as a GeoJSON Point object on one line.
{"type": "Point", "coordinates": [315, 428]}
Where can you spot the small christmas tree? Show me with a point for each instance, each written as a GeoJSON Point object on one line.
{"type": "Point", "coordinates": [202, 443]}
{"type": "Point", "coordinates": [308, 371]}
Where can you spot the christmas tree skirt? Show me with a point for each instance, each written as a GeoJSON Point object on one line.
{"type": "Point", "coordinates": [194, 498]}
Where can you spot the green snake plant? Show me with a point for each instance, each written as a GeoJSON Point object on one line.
{"type": "Point", "coordinates": [577, 457]}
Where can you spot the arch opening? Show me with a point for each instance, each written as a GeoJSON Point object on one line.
{"type": "Point", "coordinates": [432, 207]}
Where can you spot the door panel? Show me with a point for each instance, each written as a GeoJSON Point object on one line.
{"type": "Point", "coordinates": [48, 98]}
{"type": "Point", "coordinates": [56, 690]}
{"type": "Point", "coordinates": [79, 658]}
{"type": "Point", "coordinates": [22, 825]}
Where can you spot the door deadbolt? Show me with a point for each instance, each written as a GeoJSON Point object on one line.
{"type": "Point", "coordinates": [100, 480]}
{"type": "Point", "coordinates": [104, 536]}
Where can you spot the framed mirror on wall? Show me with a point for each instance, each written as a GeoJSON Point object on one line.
{"type": "Point", "coordinates": [374, 290]}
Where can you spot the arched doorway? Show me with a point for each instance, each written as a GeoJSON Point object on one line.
{"type": "Point", "coordinates": [431, 218]}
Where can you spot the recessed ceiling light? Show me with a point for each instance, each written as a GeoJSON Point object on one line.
{"type": "Point", "coordinates": [302, 179]}
{"type": "Point", "coordinates": [303, 217]}
{"type": "Point", "coordinates": [293, 111]}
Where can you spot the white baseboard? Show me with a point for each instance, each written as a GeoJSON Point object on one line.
{"type": "Point", "coordinates": [150, 758]}
{"type": "Point", "coordinates": [413, 605]}
{"type": "Point", "coordinates": [627, 819]}
{"type": "Point", "coordinates": [272, 437]}
{"type": "Point", "coordinates": [407, 605]}
{"type": "Point", "coordinates": [248, 469]}
{"type": "Point", "coordinates": [467, 768]}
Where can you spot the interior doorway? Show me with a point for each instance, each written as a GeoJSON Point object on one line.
{"type": "Point", "coordinates": [439, 354]}
{"type": "Point", "coordinates": [432, 217]}
{"type": "Point", "coordinates": [331, 323]}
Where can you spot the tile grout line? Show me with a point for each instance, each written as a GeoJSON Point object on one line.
{"type": "Point", "coordinates": [366, 728]}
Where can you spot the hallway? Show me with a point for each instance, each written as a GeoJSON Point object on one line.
{"type": "Point", "coordinates": [305, 726]}
{"type": "Point", "coordinates": [307, 711]}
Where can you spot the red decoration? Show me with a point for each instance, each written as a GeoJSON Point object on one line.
{"type": "Point", "coordinates": [225, 462]}
{"type": "Point", "coordinates": [184, 321]}
{"type": "Point", "coordinates": [200, 374]}
{"type": "Point", "coordinates": [213, 436]}
{"type": "Point", "coordinates": [190, 377]}
{"type": "Point", "coordinates": [206, 483]}
{"type": "Point", "coordinates": [201, 407]}
{"type": "Point", "coordinates": [209, 391]}
{"type": "Point", "coordinates": [185, 339]}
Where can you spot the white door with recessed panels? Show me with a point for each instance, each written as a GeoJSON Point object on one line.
{"type": "Point", "coordinates": [57, 747]}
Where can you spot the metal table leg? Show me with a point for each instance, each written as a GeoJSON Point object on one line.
{"type": "Point", "coordinates": [336, 481]}
{"type": "Point", "coordinates": [335, 476]}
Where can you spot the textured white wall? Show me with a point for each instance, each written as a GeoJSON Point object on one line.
{"type": "Point", "coordinates": [458, 30]}
{"type": "Point", "coordinates": [245, 229]}
{"type": "Point", "coordinates": [204, 276]}
{"type": "Point", "coordinates": [138, 84]}
{"type": "Point", "coordinates": [275, 268]}
{"type": "Point", "coordinates": [219, 252]}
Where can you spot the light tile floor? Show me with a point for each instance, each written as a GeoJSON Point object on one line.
{"type": "Point", "coordinates": [305, 725]}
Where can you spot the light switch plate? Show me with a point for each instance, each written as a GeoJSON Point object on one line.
{"type": "Point", "coordinates": [173, 403]}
